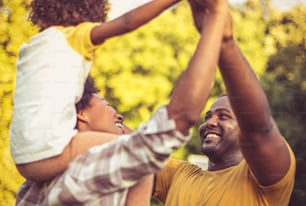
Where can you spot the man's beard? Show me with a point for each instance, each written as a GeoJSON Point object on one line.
{"type": "Point", "coordinates": [208, 151]}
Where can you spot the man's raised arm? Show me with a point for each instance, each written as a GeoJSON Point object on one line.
{"type": "Point", "coordinates": [261, 142]}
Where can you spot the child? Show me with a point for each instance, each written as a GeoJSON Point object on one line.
{"type": "Point", "coordinates": [51, 71]}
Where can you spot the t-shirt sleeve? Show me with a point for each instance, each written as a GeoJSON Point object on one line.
{"type": "Point", "coordinates": [79, 39]}
{"type": "Point", "coordinates": [280, 192]}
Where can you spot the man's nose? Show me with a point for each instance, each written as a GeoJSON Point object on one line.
{"type": "Point", "coordinates": [212, 121]}
{"type": "Point", "coordinates": [209, 123]}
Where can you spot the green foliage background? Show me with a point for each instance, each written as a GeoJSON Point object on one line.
{"type": "Point", "coordinates": [136, 72]}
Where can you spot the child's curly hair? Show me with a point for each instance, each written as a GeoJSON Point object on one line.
{"type": "Point", "coordinates": [46, 13]}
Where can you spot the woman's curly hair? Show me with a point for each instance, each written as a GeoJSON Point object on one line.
{"type": "Point", "coordinates": [46, 13]}
{"type": "Point", "coordinates": [89, 90]}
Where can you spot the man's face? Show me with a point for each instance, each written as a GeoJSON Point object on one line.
{"type": "Point", "coordinates": [219, 133]}
{"type": "Point", "coordinates": [101, 117]}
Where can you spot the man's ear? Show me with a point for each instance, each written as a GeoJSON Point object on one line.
{"type": "Point", "coordinates": [81, 115]}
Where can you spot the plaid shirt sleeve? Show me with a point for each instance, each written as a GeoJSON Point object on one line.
{"type": "Point", "coordinates": [117, 165]}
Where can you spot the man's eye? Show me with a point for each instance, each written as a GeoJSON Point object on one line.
{"type": "Point", "coordinates": [223, 116]}
{"type": "Point", "coordinates": [207, 117]}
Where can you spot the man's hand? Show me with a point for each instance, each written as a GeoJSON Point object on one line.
{"type": "Point", "coordinates": [212, 5]}
{"type": "Point", "coordinates": [199, 13]}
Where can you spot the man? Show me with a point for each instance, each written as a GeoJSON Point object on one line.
{"type": "Point", "coordinates": [104, 174]}
{"type": "Point", "coordinates": [250, 162]}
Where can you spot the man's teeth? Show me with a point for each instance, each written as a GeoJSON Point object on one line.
{"type": "Point", "coordinates": [212, 136]}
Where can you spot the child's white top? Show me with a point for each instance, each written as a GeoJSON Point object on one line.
{"type": "Point", "coordinates": [51, 71]}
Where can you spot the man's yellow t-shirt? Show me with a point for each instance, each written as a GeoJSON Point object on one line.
{"type": "Point", "coordinates": [183, 184]}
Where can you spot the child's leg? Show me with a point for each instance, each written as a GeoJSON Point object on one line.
{"type": "Point", "coordinates": [140, 194]}
{"type": "Point", "coordinates": [48, 168]}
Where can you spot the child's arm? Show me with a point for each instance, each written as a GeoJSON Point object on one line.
{"type": "Point", "coordinates": [130, 20]}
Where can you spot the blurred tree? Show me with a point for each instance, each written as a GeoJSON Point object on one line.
{"type": "Point", "coordinates": [14, 30]}
{"type": "Point", "coordinates": [286, 86]}
{"type": "Point", "coordinates": [136, 71]}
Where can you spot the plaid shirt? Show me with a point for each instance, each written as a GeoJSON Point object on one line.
{"type": "Point", "coordinates": [103, 174]}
